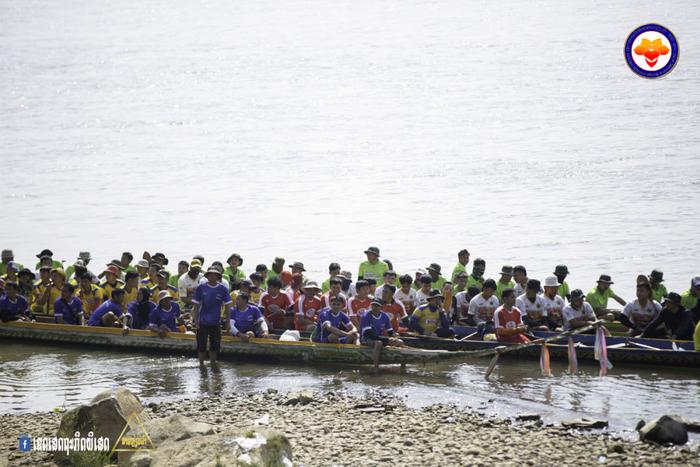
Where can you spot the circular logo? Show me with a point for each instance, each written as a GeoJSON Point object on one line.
{"type": "Point", "coordinates": [651, 51]}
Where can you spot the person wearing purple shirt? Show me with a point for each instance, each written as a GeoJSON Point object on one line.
{"type": "Point", "coordinates": [109, 313]}
{"type": "Point", "coordinates": [334, 326]}
{"type": "Point", "coordinates": [138, 312]}
{"type": "Point", "coordinates": [206, 315]}
{"type": "Point", "coordinates": [68, 309]}
{"type": "Point", "coordinates": [247, 320]}
{"type": "Point", "coordinates": [13, 306]}
{"type": "Point", "coordinates": [165, 316]}
{"type": "Point", "coordinates": [377, 330]}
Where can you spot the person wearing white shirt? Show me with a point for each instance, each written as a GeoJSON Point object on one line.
{"type": "Point", "coordinates": [553, 303]}
{"type": "Point", "coordinates": [389, 278]}
{"type": "Point", "coordinates": [578, 313]}
{"type": "Point", "coordinates": [482, 307]}
{"type": "Point", "coordinates": [532, 306]}
{"type": "Point", "coordinates": [406, 294]}
{"type": "Point", "coordinates": [637, 314]}
{"type": "Point", "coordinates": [187, 284]}
{"type": "Point", "coordinates": [423, 292]}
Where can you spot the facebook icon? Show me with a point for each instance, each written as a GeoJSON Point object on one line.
{"type": "Point", "coordinates": [25, 443]}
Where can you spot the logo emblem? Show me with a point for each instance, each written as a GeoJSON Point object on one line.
{"type": "Point", "coordinates": [25, 443]}
{"type": "Point", "coordinates": [651, 51]}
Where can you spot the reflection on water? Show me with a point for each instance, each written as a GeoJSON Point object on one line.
{"type": "Point", "coordinates": [38, 378]}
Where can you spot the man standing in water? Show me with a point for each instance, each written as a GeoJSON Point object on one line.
{"type": "Point", "coordinates": [206, 315]}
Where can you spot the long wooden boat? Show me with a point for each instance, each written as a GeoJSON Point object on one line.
{"type": "Point", "coordinates": [270, 349]}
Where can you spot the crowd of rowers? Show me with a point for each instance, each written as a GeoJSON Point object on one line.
{"type": "Point", "coordinates": [374, 309]}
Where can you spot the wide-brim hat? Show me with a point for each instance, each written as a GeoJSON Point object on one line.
{"type": "Point", "coordinates": [237, 256]}
{"type": "Point", "coordinates": [26, 272]}
{"type": "Point", "coordinates": [561, 269]}
{"type": "Point", "coordinates": [435, 268]}
{"type": "Point", "coordinates": [551, 281]}
{"type": "Point", "coordinates": [577, 294]}
{"type": "Point", "coordinates": [213, 270]}
{"type": "Point", "coordinates": [435, 293]}
{"type": "Point", "coordinates": [673, 297]}
{"type": "Point", "coordinates": [161, 256]}
{"type": "Point", "coordinates": [162, 295]}
{"type": "Point", "coordinates": [84, 255]}
{"type": "Point", "coordinates": [142, 264]}
{"type": "Point", "coordinates": [373, 249]}
{"type": "Point", "coordinates": [605, 279]}
{"type": "Point", "coordinates": [297, 265]}
{"type": "Point", "coordinates": [45, 252]}
{"type": "Point", "coordinates": [508, 270]}
{"type": "Point", "coordinates": [195, 263]}
{"type": "Point", "coordinates": [656, 276]}
{"type": "Point", "coordinates": [311, 285]}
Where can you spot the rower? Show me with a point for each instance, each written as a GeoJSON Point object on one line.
{"type": "Point", "coordinates": [482, 307]}
{"type": "Point", "coordinates": [520, 278]}
{"type": "Point", "coordinates": [553, 303]}
{"type": "Point", "coordinates": [394, 308]}
{"type": "Point", "coordinates": [533, 307]}
{"type": "Point", "coordinates": [68, 309]}
{"type": "Point", "coordinates": [110, 312]}
{"type": "Point", "coordinates": [276, 306]}
{"type": "Point", "coordinates": [360, 303]}
{"type": "Point", "coordinates": [507, 320]}
{"type": "Point", "coordinates": [461, 266]}
{"type": "Point", "coordinates": [90, 294]}
{"type": "Point", "coordinates": [561, 271]}
{"type": "Point", "coordinates": [377, 331]}
{"type": "Point", "coordinates": [599, 295]}
{"type": "Point", "coordinates": [233, 271]}
{"type": "Point", "coordinates": [333, 270]}
{"type": "Point", "coordinates": [336, 285]}
{"type": "Point", "coordinates": [676, 320]}
{"type": "Point", "coordinates": [247, 320]}
{"type": "Point", "coordinates": [505, 282]}
{"type": "Point", "coordinates": [461, 308]}
{"type": "Point", "coordinates": [476, 278]}
{"type": "Point", "coordinates": [373, 268]}
{"type": "Point", "coordinates": [578, 313]}
{"type": "Point", "coordinates": [406, 294]}
{"type": "Point", "coordinates": [51, 292]}
{"type": "Point", "coordinates": [658, 290]}
{"type": "Point", "coordinates": [307, 307]}
{"type": "Point", "coordinates": [430, 319]}
{"type": "Point", "coordinates": [689, 298]}
{"type": "Point", "coordinates": [131, 286]}
{"type": "Point", "coordinates": [420, 272]}
{"type": "Point", "coordinates": [639, 313]}
{"type": "Point", "coordinates": [138, 312]}
{"type": "Point", "coordinates": [276, 268]}
{"type": "Point", "coordinates": [389, 279]}
{"type": "Point", "coordinates": [26, 280]}
{"type": "Point", "coordinates": [423, 292]}
{"type": "Point", "coordinates": [13, 306]}
{"type": "Point", "coordinates": [334, 325]}
{"type": "Point", "coordinates": [142, 267]}
{"type": "Point", "coordinates": [435, 273]}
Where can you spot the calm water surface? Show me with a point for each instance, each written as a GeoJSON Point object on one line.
{"type": "Point", "coordinates": [312, 129]}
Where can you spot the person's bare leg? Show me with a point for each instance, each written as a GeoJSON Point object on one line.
{"type": "Point", "coordinates": [376, 352]}
{"type": "Point", "coordinates": [212, 359]}
{"type": "Point", "coordinates": [202, 356]}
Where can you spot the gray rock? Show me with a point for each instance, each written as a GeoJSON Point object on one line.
{"type": "Point", "coordinates": [105, 416]}
{"type": "Point", "coordinates": [664, 430]}
{"type": "Point", "coordinates": [584, 423]}
{"type": "Point", "coordinates": [299, 397]}
{"type": "Point", "coordinates": [690, 425]}
{"type": "Point", "coordinates": [527, 417]}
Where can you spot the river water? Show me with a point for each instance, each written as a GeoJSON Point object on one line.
{"type": "Point", "coordinates": [312, 129]}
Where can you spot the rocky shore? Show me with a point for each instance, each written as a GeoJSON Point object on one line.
{"type": "Point", "coordinates": [336, 429]}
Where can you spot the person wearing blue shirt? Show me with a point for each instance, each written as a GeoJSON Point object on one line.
{"type": "Point", "coordinates": [110, 312]}
{"type": "Point", "coordinates": [247, 320]}
{"type": "Point", "coordinates": [164, 318]}
{"type": "Point", "coordinates": [138, 312]}
{"type": "Point", "coordinates": [68, 309]}
{"type": "Point", "coordinates": [206, 315]}
{"type": "Point", "coordinates": [376, 330]}
{"type": "Point", "coordinates": [13, 306]}
{"type": "Point", "coordinates": [334, 326]}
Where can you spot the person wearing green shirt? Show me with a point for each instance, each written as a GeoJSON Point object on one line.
{"type": "Point", "coordinates": [461, 283]}
{"type": "Point", "coordinates": [420, 272]}
{"type": "Point", "coordinates": [435, 272]}
{"type": "Point", "coordinates": [696, 337]}
{"type": "Point", "coordinates": [658, 290]}
{"type": "Point", "coordinates": [689, 298]}
{"type": "Point", "coordinates": [373, 268]}
{"type": "Point", "coordinates": [476, 278]}
{"type": "Point", "coordinates": [561, 271]}
{"type": "Point", "coordinates": [461, 266]}
{"type": "Point", "coordinates": [505, 282]}
{"type": "Point", "coordinates": [182, 268]}
{"type": "Point", "coordinates": [234, 271]}
{"type": "Point", "coordinates": [8, 257]}
{"type": "Point", "coordinates": [46, 259]}
{"type": "Point", "coordinates": [84, 259]}
{"type": "Point", "coordinates": [333, 270]}
{"type": "Point", "coordinates": [599, 295]}
{"type": "Point", "coordinates": [126, 260]}
{"type": "Point", "coordinates": [276, 269]}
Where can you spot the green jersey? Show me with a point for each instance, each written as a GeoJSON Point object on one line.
{"type": "Point", "coordinates": [373, 271]}
{"type": "Point", "coordinates": [3, 268]}
{"type": "Point", "coordinates": [563, 290]}
{"type": "Point", "coordinates": [500, 287]}
{"type": "Point", "coordinates": [659, 293]}
{"type": "Point", "coordinates": [458, 269]}
{"type": "Point", "coordinates": [474, 282]}
{"type": "Point", "coordinates": [688, 300]}
{"type": "Point", "coordinates": [599, 300]}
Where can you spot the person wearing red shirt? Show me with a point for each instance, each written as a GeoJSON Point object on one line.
{"type": "Point", "coordinates": [395, 309]}
{"type": "Point", "coordinates": [276, 305]}
{"type": "Point", "coordinates": [307, 307]}
{"type": "Point", "coordinates": [360, 303]}
{"type": "Point", "coordinates": [336, 285]}
{"type": "Point", "coordinates": [508, 322]}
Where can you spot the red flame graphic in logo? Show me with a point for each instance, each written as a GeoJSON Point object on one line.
{"type": "Point", "coordinates": [651, 51]}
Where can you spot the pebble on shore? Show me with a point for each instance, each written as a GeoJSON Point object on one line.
{"type": "Point", "coordinates": [378, 430]}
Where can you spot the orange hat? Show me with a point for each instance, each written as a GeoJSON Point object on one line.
{"type": "Point", "coordinates": [112, 270]}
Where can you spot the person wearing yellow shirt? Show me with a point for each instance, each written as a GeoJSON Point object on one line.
{"type": "Point", "coordinates": [373, 268]}
{"type": "Point", "coordinates": [50, 293]}
{"type": "Point", "coordinates": [461, 266]}
{"type": "Point", "coordinates": [696, 337]}
{"type": "Point", "coordinates": [11, 274]}
{"type": "Point", "coordinates": [600, 294]}
{"type": "Point", "coordinates": [505, 282]}
{"type": "Point", "coordinates": [111, 281]}
{"type": "Point", "coordinates": [8, 257]}
{"type": "Point", "coordinates": [40, 285]}
{"type": "Point", "coordinates": [152, 279]}
{"type": "Point", "coordinates": [131, 287]}
{"type": "Point", "coordinates": [658, 290]}
{"type": "Point", "coordinates": [90, 294]}
{"type": "Point", "coordinates": [689, 298]}
{"type": "Point", "coordinates": [162, 284]}
{"type": "Point", "coordinates": [142, 267]}
{"type": "Point", "coordinates": [333, 270]}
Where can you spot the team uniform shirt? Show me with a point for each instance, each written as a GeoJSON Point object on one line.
{"type": "Point", "coordinates": [159, 316]}
{"type": "Point", "coordinates": [306, 308]}
{"type": "Point", "coordinates": [138, 321]}
{"type": "Point", "coordinates": [519, 289]}
{"type": "Point", "coordinates": [688, 300]}
{"type": "Point", "coordinates": [173, 280]}
{"type": "Point", "coordinates": [247, 320]}
{"type": "Point", "coordinates": [380, 324]}
{"type": "Point", "coordinates": [7, 279]}
{"type": "Point", "coordinates": [597, 299]}
{"type": "Point", "coordinates": [69, 311]}
{"type": "Point", "coordinates": [107, 288]}
{"type": "Point", "coordinates": [55, 264]}
{"type": "Point", "coordinates": [421, 298]}
{"type": "Point", "coordinates": [659, 293]}
{"type": "Point", "coordinates": [3, 268]}
{"type": "Point", "coordinates": [641, 316]}
{"type": "Point", "coordinates": [380, 289]}
{"type": "Point", "coordinates": [461, 304]}
{"type": "Point", "coordinates": [132, 295]}
{"type": "Point", "coordinates": [326, 300]}
{"type": "Point", "coordinates": [106, 307]}
{"type": "Point", "coordinates": [326, 285]}
{"type": "Point", "coordinates": [439, 283]}
{"type": "Point", "coordinates": [396, 312]}
{"type": "Point", "coordinates": [569, 314]}
{"type": "Point", "coordinates": [554, 307]}
{"type": "Point", "coordinates": [340, 321]}
{"type": "Point", "coordinates": [90, 299]}
{"type": "Point", "coordinates": [282, 300]}
{"type": "Point", "coordinates": [535, 310]}
{"type": "Point", "coordinates": [373, 271]}
{"type": "Point", "coordinates": [474, 282]}
{"type": "Point", "coordinates": [54, 294]}
{"type": "Point", "coordinates": [11, 310]}
{"type": "Point", "coordinates": [171, 290]}
{"type": "Point", "coordinates": [147, 282]}
{"type": "Point", "coordinates": [458, 269]}
{"type": "Point", "coordinates": [429, 320]}
{"type": "Point", "coordinates": [256, 295]}
{"type": "Point", "coordinates": [563, 290]}
{"type": "Point", "coordinates": [186, 285]}
{"type": "Point", "coordinates": [357, 306]}
{"type": "Point", "coordinates": [505, 319]}
{"type": "Point", "coordinates": [500, 287]}
{"type": "Point", "coordinates": [408, 299]}
{"type": "Point", "coordinates": [482, 309]}
{"type": "Point", "coordinates": [211, 299]}
{"type": "Point", "coordinates": [237, 276]}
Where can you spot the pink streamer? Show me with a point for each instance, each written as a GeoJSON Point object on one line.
{"type": "Point", "coordinates": [573, 360]}
{"type": "Point", "coordinates": [544, 361]}
{"type": "Point", "coordinates": [601, 351]}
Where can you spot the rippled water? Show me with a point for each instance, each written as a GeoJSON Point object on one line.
{"type": "Point", "coordinates": [39, 378]}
